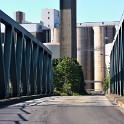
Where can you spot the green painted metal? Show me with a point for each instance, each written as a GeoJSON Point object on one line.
{"type": "Point", "coordinates": [117, 62]}
{"type": "Point", "coordinates": [25, 63]}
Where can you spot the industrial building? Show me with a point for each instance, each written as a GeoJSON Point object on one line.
{"type": "Point", "coordinates": [92, 39]}
{"type": "Point", "coordinates": [19, 17]}
{"type": "Point", "coordinates": [39, 30]}
{"type": "Point", "coordinates": [93, 50]}
{"type": "Point", "coordinates": [51, 18]}
{"type": "Point", "coordinates": [91, 53]}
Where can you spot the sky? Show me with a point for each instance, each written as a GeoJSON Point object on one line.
{"type": "Point", "coordinates": [87, 10]}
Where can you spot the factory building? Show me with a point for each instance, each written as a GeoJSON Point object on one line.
{"type": "Point", "coordinates": [93, 40]}
{"type": "Point", "coordinates": [92, 53]}
{"type": "Point", "coordinates": [19, 16]}
{"type": "Point", "coordinates": [38, 30]}
{"type": "Point", "coordinates": [51, 18]}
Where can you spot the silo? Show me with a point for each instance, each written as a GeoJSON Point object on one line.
{"type": "Point", "coordinates": [99, 56]}
{"type": "Point", "coordinates": [110, 31]}
{"type": "Point", "coordinates": [85, 54]}
{"type": "Point", "coordinates": [55, 35]}
{"type": "Point", "coordinates": [54, 48]}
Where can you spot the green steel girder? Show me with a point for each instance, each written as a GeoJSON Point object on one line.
{"type": "Point", "coordinates": [117, 62]}
{"type": "Point", "coordinates": [25, 63]}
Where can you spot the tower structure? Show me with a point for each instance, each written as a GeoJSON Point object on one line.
{"type": "Point", "coordinates": [68, 45]}
{"type": "Point", "coordinates": [19, 16]}
{"type": "Point", "coordinates": [51, 18]}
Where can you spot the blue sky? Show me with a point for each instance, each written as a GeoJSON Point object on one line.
{"type": "Point", "coordinates": [87, 10]}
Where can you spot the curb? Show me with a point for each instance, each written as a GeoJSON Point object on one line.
{"type": "Point", "coordinates": [120, 104]}
{"type": "Point", "coordinates": [115, 99]}
{"type": "Point", "coordinates": [14, 100]}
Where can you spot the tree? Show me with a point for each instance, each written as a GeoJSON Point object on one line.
{"type": "Point", "coordinates": [68, 76]}
{"type": "Point", "coordinates": [106, 81]}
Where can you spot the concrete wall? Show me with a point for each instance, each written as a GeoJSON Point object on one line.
{"type": "Point", "coordinates": [54, 48]}
{"type": "Point", "coordinates": [32, 27]}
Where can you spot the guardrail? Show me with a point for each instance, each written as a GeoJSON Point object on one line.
{"type": "Point", "coordinates": [25, 63]}
{"type": "Point", "coordinates": [117, 61]}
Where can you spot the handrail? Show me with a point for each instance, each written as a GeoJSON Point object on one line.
{"type": "Point", "coordinates": [25, 63]}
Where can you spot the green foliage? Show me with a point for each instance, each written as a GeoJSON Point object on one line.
{"type": "Point", "coordinates": [64, 94]}
{"type": "Point", "coordinates": [56, 92]}
{"type": "Point", "coordinates": [122, 100]}
{"type": "Point", "coordinates": [106, 82]}
{"type": "Point", "coordinates": [68, 76]}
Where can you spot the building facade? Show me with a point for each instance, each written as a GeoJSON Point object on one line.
{"type": "Point", "coordinates": [91, 52]}
{"type": "Point", "coordinates": [51, 18]}
{"type": "Point", "coordinates": [19, 16]}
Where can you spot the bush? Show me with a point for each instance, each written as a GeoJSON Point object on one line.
{"type": "Point", "coordinates": [68, 76]}
{"type": "Point", "coordinates": [64, 94]}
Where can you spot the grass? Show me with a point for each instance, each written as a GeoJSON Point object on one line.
{"type": "Point", "coordinates": [122, 100]}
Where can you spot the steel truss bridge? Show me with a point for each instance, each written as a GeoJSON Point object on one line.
{"type": "Point", "coordinates": [117, 61]}
{"type": "Point", "coordinates": [25, 63]}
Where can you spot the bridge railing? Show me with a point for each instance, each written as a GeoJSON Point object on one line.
{"type": "Point", "coordinates": [117, 61]}
{"type": "Point", "coordinates": [25, 63]}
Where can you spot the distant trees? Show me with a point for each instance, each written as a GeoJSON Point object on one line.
{"type": "Point", "coordinates": [68, 76]}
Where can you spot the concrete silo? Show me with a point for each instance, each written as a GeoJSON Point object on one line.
{"type": "Point", "coordinates": [102, 35]}
{"type": "Point", "coordinates": [55, 35]}
{"type": "Point", "coordinates": [85, 54]}
{"type": "Point", "coordinates": [99, 56]}
{"type": "Point", "coordinates": [54, 48]}
{"type": "Point", "coordinates": [110, 33]}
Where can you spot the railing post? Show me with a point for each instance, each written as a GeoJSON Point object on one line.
{"type": "Point", "coordinates": [48, 80]}
{"type": "Point", "coordinates": [23, 70]}
{"type": "Point", "coordinates": [35, 56]}
{"type": "Point", "coordinates": [44, 73]}
{"type": "Point", "coordinates": [50, 75]}
{"type": "Point", "coordinates": [7, 56]}
{"type": "Point", "coordinates": [13, 69]}
{"type": "Point", "coordinates": [41, 69]}
{"type": "Point", "coordinates": [46, 76]}
{"type": "Point", "coordinates": [38, 72]}
{"type": "Point", "coordinates": [2, 81]}
{"type": "Point", "coordinates": [28, 62]}
{"type": "Point", "coordinates": [19, 48]}
{"type": "Point", "coordinates": [31, 73]}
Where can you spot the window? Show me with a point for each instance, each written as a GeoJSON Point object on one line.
{"type": "Point", "coordinates": [48, 17]}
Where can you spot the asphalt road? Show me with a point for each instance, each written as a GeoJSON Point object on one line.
{"type": "Point", "coordinates": [63, 110]}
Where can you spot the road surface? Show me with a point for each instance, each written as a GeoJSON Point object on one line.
{"type": "Point", "coordinates": [63, 110]}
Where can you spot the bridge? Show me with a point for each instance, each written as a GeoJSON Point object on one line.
{"type": "Point", "coordinates": [26, 70]}
{"type": "Point", "coordinates": [117, 61]}
{"type": "Point", "coordinates": [25, 63]}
